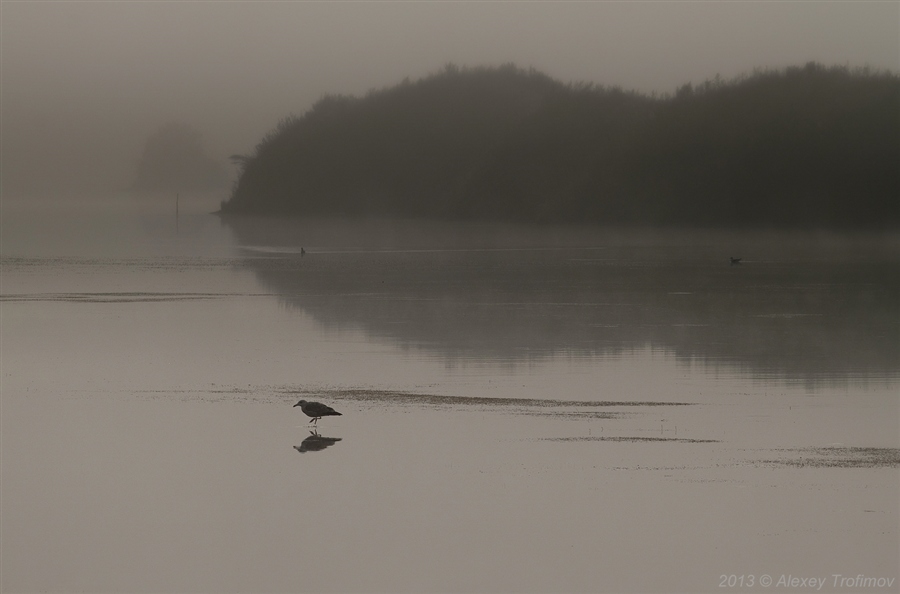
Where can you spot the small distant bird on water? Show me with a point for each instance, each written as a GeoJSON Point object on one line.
{"type": "Point", "coordinates": [735, 261]}
{"type": "Point", "coordinates": [316, 410]}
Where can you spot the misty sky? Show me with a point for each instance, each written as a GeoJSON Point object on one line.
{"type": "Point", "coordinates": [85, 83]}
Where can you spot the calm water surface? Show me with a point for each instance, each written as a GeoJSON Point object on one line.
{"type": "Point", "coordinates": [556, 410]}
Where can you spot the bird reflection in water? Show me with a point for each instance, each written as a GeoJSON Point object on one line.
{"type": "Point", "coordinates": [316, 442]}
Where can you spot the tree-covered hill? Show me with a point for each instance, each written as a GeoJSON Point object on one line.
{"type": "Point", "coordinates": [800, 147]}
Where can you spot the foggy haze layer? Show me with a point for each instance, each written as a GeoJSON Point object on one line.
{"type": "Point", "coordinates": [85, 84]}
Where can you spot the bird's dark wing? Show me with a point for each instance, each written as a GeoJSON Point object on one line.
{"type": "Point", "coordinates": [317, 409]}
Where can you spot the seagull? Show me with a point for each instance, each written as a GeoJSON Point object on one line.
{"type": "Point", "coordinates": [316, 410]}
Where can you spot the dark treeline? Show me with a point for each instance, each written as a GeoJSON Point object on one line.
{"type": "Point", "coordinates": [802, 147]}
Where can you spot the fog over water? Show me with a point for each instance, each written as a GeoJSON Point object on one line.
{"type": "Point", "coordinates": [84, 84]}
{"type": "Point", "coordinates": [524, 408]}
{"type": "Point", "coordinates": [552, 409]}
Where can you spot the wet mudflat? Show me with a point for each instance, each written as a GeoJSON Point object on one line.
{"type": "Point", "coordinates": [229, 490]}
{"type": "Point", "coordinates": [597, 417]}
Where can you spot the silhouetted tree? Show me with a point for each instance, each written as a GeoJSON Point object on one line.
{"type": "Point", "coordinates": [804, 146]}
{"type": "Point", "coordinates": [174, 160]}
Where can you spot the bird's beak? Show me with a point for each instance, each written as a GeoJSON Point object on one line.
{"type": "Point", "coordinates": [298, 404]}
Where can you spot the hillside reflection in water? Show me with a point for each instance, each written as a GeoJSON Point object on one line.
{"type": "Point", "coordinates": [554, 410]}
{"type": "Point", "coordinates": [802, 306]}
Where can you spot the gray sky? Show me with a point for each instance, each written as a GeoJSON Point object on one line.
{"type": "Point", "coordinates": [85, 83]}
